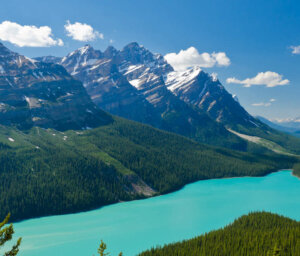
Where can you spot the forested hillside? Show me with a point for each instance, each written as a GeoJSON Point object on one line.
{"type": "Point", "coordinates": [44, 172]}
{"type": "Point", "coordinates": [255, 234]}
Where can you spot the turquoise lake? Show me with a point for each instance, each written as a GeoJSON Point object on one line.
{"type": "Point", "coordinates": [132, 227]}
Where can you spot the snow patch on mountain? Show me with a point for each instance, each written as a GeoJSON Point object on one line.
{"type": "Point", "coordinates": [235, 98]}
{"type": "Point", "coordinates": [130, 69]}
{"type": "Point", "coordinates": [136, 83]}
{"type": "Point", "coordinates": [2, 71]}
{"type": "Point", "coordinates": [176, 79]}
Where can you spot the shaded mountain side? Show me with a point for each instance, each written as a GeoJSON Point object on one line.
{"type": "Point", "coordinates": [34, 93]}
{"type": "Point", "coordinates": [297, 134]}
{"type": "Point", "coordinates": [72, 171]}
{"type": "Point", "coordinates": [259, 233]}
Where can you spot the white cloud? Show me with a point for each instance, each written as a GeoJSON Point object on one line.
{"type": "Point", "coordinates": [191, 58]}
{"type": "Point", "coordinates": [30, 36]}
{"type": "Point", "coordinates": [286, 120]}
{"type": "Point", "coordinates": [82, 32]}
{"type": "Point", "coordinates": [296, 49]}
{"type": "Point", "coordinates": [264, 104]}
{"type": "Point", "coordinates": [261, 104]}
{"type": "Point", "coordinates": [269, 79]}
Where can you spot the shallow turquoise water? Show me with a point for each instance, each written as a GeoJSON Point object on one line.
{"type": "Point", "coordinates": [135, 226]}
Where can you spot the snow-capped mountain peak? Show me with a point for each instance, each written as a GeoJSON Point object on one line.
{"type": "Point", "coordinates": [84, 56]}
{"type": "Point", "coordinates": [85, 49]}
{"type": "Point", "coordinates": [136, 68]}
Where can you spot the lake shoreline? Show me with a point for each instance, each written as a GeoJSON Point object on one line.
{"type": "Point", "coordinates": [135, 226]}
{"type": "Point", "coordinates": [295, 175]}
{"type": "Point", "coordinates": [156, 195]}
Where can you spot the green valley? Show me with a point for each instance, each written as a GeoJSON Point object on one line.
{"type": "Point", "coordinates": [64, 172]}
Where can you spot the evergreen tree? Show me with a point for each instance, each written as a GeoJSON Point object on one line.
{"type": "Point", "coordinates": [102, 250]}
{"type": "Point", "coordinates": [6, 234]}
{"type": "Point", "coordinates": [252, 235]}
{"type": "Point", "coordinates": [275, 251]}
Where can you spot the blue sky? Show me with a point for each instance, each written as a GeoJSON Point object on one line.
{"type": "Point", "coordinates": [255, 35]}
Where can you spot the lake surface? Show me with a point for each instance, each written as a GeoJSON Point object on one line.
{"type": "Point", "coordinates": [132, 227]}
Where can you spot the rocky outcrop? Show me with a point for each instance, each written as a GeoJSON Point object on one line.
{"type": "Point", "coordinates": [205, 92]}
{"type": "Point", "coordinates": [34, 93]}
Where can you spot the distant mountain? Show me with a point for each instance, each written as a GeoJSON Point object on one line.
{"type": "Point", "coordinates": [276, 125]}
{"type": "Point", "coordinates": [292, 126]}
{"type": "Point", "coordinates": [137, 84]}
{"type": "Point", "coordinates": [42, 94]}
{"type": "Point", "coordinates": [293, 123]}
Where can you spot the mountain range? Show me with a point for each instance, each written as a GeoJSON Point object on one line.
{"type": "Point", "coordinates": [112, 80]}
{"type": "Point", "coordinates": [289, 125]}
{"type": "Point", "coordinates": [66, 154]}
{"type": "Point", "coordinates": [136, 84]}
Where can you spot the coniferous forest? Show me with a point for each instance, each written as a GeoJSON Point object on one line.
{"type": "Point", "coordinates": [262, 234]}
{"type": "Point", "coordinates": [45, 172]}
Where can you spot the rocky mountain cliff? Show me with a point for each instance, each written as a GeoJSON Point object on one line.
{"type": "Point", "coordinates": [34, 93]}
{"type": "Point", "coordinates": [130, 83]}
{"type": "Point", "coordinates": [137, 84]}
{"type": "Point", "coordinates": [205, 91]}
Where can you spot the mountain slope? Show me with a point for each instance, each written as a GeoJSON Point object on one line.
{"type": "Point", "coordinates": [41, 94]}
{"type": "Point", "coordinates": [63, 172]}
{"type": "Point", "coordinates": [207, 93]}
{"type": "Point", "coordinates": [254, 234]}
{"type": "Point", "coordinates": [112, 80]}
{"type": "Point", "coordinates": [137, 84]}
{"type": "Point", "coordinates": [107, 87]}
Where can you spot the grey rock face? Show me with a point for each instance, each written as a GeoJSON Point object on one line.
{"type": "Point", "coordinates": [207, 93]}
{"type": "Point", "coordinates": [108, 88]}
{"type": "Point", "coordinates": [130, 83]}
{"type": "Point", "coordinates": [43, 94]}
